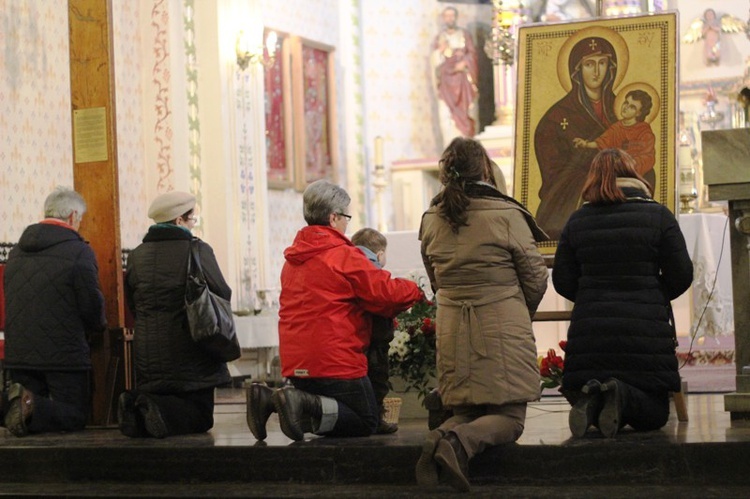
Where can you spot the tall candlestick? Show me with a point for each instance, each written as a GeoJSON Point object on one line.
{"type": "Point", "coordinates": [378, 151]}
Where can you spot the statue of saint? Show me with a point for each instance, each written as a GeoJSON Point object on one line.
{"type": "Point", "coordinates": [454, 72]}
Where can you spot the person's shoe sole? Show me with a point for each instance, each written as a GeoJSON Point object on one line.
{"type": "Point", "coordinates": [581, 415]}
{"type": "Point", "coordinates": [386, 428]}
{"type": "Point", "coordinates": [127, 419]}
{"type": "Point", "coordinates": [14, 420]}
{"type": "Point", "coordinates": [609, 418]}
{"type": "Point", "coordinates": [152, 419]}
{"type": "Point", "coordinates": [280, 404]}
{"type": "Point", "coordinates": [446, 458]}
{"type": "Point", "coordinates": [578, 420]}
{"type": "Point", "coordinates": [427, 469]}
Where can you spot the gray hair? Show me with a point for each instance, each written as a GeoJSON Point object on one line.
{"type": "Point", "coordinates": [320, 199]}
{"type": "Point", "coordinates": [62, 202]}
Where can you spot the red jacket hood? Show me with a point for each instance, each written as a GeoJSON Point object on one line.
{"type": "Point", "coordinates": [329, 289]}
{"type": "Point", "coordinates": [313, 240]}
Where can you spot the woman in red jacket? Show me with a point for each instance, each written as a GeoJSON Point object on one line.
{"type": "Point", "coordinates": [328, 290]}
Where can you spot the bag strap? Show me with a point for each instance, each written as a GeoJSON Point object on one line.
{"type": "Point", "coordinates": [195, 259]}
{"type": "Point", "coordinates": [673, 324]}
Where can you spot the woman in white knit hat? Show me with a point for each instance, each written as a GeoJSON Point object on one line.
{"type": "Point", "coordinates": [175, 379]}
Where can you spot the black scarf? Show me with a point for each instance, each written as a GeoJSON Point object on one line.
{"type": "Point", "coordinates": [482, 190]}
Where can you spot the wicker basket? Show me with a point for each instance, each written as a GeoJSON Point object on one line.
{"type": "Point", "coordinates": [392, 406]}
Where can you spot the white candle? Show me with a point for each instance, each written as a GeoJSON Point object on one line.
{"type": "Point", "coordinates": [378, 151]}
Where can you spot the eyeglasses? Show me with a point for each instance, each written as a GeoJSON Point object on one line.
{"type": "Point", "coordinates": [348, 217]}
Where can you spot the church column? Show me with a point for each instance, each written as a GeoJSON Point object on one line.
{"type": "Point", "coordinates": [95, 171]}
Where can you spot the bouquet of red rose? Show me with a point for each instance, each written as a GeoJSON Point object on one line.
{"type": "Point", "coordinates": [551, 367]}
{"type": "Point", "coordinates": [412, 352]}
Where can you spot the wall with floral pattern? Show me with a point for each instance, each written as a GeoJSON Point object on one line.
{"type": "Point", "coordinates": [35, 131]}
{"type": "Point", "coordinates": [35, 124]}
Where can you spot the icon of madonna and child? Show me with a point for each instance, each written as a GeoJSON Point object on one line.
{"type": "Point", "coordinates": [590, 117]}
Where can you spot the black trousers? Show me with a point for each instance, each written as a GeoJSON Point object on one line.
{"type": "Point", "coordinates": [378, 370]}
{"type": "Point", "coordinates": [186, 412]}
{"type": "Point", "coordinates": [61, 398]}
{"type": "Point", "coordinates": [643, 411]}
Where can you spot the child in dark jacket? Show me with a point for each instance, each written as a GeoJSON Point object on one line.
{"type": "Point", "coordinates": [373, 244]}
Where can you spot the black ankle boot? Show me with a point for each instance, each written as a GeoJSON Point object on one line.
{"type": "Point", "coordinates": [585, 411]}
{"type": "Point", "coordinates": [297, 410]}
{"type": "Point", "coordinates": [259, 409]}
{"type": "Point", "coordinates": [153, 420]}
{"type": "Point", "coordinates": [129, 418]}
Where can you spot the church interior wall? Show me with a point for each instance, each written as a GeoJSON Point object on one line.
{"type": "Point", "coordinates": [317, 21]}
{"type": "Point", "coordinates": [383, 89]}
{"type": "Point", "coordinates": [35, 138]}
{"type": "Point", "coordinates": [131, 158]}
{"type": "Point", "coordinates": [398, 92]}
{"type": "Point", "coordinates": [697, 77]}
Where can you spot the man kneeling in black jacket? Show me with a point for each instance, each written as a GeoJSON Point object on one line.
{"type": "Point", "coordinates": [53, 299]}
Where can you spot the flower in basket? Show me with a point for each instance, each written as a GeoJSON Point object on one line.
{"type": "Point", "coordinates": [551, 367]}
{"type": "Point", "coordinates": [412, 352]}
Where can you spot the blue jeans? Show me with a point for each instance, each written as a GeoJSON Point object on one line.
{"type": "Point", "coordinates": [358, 412]}
{"type": "Point", "coordinates": [61, 398]}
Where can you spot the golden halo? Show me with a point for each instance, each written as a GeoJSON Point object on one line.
{"type": "Point", "coordinates": [613, 37]}
{"type": "Point", "coordinates": [655, 101]}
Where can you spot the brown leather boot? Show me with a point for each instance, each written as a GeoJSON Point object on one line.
{"type": "Point", "coordinates": [454, 462]}
{"type": "Point", "coordinates": [20, 409]}
{"type": "Point", "coordinates": [427, 468]}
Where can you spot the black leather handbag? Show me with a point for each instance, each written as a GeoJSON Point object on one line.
{"type": "Point", "coordinates": [209, 315]}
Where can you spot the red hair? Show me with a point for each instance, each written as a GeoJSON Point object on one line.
{"type": "Point", "coordinates": [601, 183]}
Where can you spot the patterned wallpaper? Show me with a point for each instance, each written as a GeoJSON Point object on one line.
{"type": "Point", "coordinates": [35, 133]}
{"type": "Point", "coordinates": [131, 161]}
{"type": "Point", "coordinates": [285, 220]}
{"type": "Point", "coordinates": [36, 138]}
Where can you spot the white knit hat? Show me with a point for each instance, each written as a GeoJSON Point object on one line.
{"type": "Point", "coordinates": [171, 205]}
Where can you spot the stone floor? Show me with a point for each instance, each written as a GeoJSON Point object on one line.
{"type": "Point", "coordinates": [546, 423]}
{"type": "Point", "coordinates": [706, 451]}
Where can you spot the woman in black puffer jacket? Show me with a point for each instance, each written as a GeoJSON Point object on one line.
{"type": "Point", "coordinates": [175, 379]}
{"type": "Point", "coordinates": [621, 259]}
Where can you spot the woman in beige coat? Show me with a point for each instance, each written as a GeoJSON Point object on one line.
{"type": "Point", "coordinates": [479, 250]}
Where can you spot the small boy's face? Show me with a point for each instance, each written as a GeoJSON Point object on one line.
{"type": "Point", "coordinates": [631, 108]}
{"type": "Point", "coordinates": [381, 257]}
